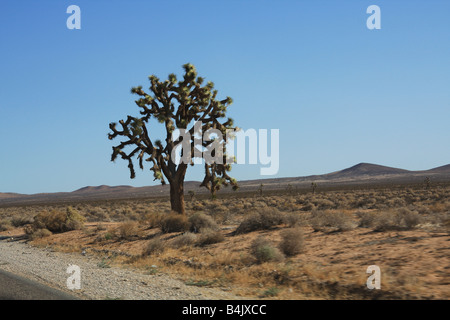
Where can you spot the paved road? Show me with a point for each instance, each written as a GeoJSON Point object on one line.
{"type": "Point", "coordinates": [13, 287]}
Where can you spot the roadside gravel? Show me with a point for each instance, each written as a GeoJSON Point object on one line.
{"type": "Point", "coordinates": [50, 268]}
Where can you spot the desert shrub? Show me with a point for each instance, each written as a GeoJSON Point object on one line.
{"type": "Point", "coordinates": [21, 220]}
{"type": "Point", "coordinates": [323, 204]}
{"type": "Point", "coordinates": [265, 218]}
{"type": "Point", "coordinates": [308, 206]}
{"type": "Point", "coordinates": [198, 206]}
{"type": "Point", "coordinates": [174, 222]}
{"type": "Point", "coordinates": [396, 202]}
{"type": "Point", "coordinates": [108, 236]}
{"type": "Point", "coordinates": [217, 208]}
{"type": "Point", "coordinates": [366, 219]}
{"type": "Point", "coordinates": [271, 292]}
{"type": "Point", "coordinates": [338, 221]}
{"type": "Point", "coordinates": [436, 218]}
{"type": "Point", "coordinates": [39, 233]}
{"type": "Point", "coordinates": [209, 236]}
{"type": "Point", "coordinates": [364, 202]}
{"type": "Point", "coordinates": [264, 251]}
{"type": "Point", "coordinates": [5, 225]}
{"type": "Point", "coordinates": [74, 220]}
{"type": "Point", "coordinates": [385, 221]}
{"type": "Point", "coordinates": [184, 240]}
{"type": "Point", "coordinates": [408, 219]}
{"type": "Point", "coordinates": [292, 241]}
{"type": "Point", "coordinates": [199, 221]}
{"type": "Point", "coordinates": [128, 230]}
{"type": "Point", "coordinates": [154, 246]}
{"type": "Point", "coordinates": [58, 221]}
{"type": "Point", "coordinates": [402, 219]}
{"type": "Point", "coordinates": [154, 219]}
{"type": "Point", "coordinates": [97, 214]}
{"type": "Point", "coordinates": [294, 219]}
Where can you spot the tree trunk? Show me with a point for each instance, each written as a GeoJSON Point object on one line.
{"type": "Point", "coordinates": [177, 197]}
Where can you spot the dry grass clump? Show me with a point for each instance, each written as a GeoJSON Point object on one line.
{"type": "Point", "coordinates": [292, 242]}
{"type": "Point", "coordinates": [174, 222]}
{"type": "Point", "coordinates": [336, 221]}
{"type": "Point", "coordinates": [264, 251]}
{"type": "Point", "coordinates": [265, 218]}
{"type": "Point", "coordinates": [200, 221]}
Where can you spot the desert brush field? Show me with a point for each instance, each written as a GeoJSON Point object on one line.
{"type": "Point", "coordinates": [289, 244]}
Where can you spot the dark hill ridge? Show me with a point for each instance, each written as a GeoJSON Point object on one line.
{"type": "Point", "coordinates": [443, 169]}
{"type": "Point", "coordinates": [368, 169]}
{"type": "Point", "coordinates": [360, 174]}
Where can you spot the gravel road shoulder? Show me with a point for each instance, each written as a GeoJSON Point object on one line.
{"type": "Point", "coordinates": [50, 268]}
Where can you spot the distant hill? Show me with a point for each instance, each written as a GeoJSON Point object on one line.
{"type": "Point", "coordinates": [103, 188]}
{"type": "Point", "coordinates": [367, 169]}
{"type": "Point", "coordinates": [10, 195]}
{"type": "Point", "coordinates": [362, 173]}
{"type": "Point", "coordinates": [443, 169]}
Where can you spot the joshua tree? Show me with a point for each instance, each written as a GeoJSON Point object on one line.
{"type": "Point", "coordinates": [260, 189]}
{"type": "Point", "coordinates": [313, 187]}
{"type": "Point", "coordinates": [191, 194]}
{"type": "Point", "coordinates": [184, 105]}
{"type": "Point", "coordinates": [427, 183]}
{"type": "Point", "coordinates": [289, 188]}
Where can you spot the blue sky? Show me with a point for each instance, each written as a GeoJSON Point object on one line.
{"type": "Point", "coordinates": [339, 93]}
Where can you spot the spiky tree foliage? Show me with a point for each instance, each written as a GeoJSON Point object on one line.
{"type": "Point", "coordinates": [177, 105]}
{"type": "Point", "coordinates": [216, 172]}
{"type": "Point", "coordinates": [216, 177]}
